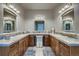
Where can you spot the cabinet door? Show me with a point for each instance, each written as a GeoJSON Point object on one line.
{"type": "Point", "coordinates": [64, 49]}
{"type": "Point", "coordinates": [53, 43]}
{"type": "Point", "coordinates": [13, 49]}
{"type": "Point", "coordinates": [21, 46]}
{"type": "Point", "coordinates": [46, 40]}
{"type": "Point", "coordinates": [57, 47]}
{"type": "Point", "coordinates": [26, 42]}
{"type": "Point", "coordinates": [31, 40]}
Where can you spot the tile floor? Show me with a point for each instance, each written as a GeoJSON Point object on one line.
{"type": "Point", "coordinates": [34, 51]}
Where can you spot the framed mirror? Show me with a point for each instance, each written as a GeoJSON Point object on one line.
{"type": "Point", "coordinates": [9, 21]}
{"type": "Point", "coordinates": [67, 25]}
{"type": "Point", "coordinates": [67, 20]}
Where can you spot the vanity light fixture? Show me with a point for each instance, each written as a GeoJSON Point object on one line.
{"type": "Point", "coordinates": [11, 6]}
{"type": "Point", "coordinates": [40, 17]}
{"type": "Point", "coordinates": [60, 11]}
{"type": "Point", "coordinates": [15, 9]}
{"type": "Point", "coordinates": [64, 8]}
{"type": "Point", "coordinates": [18, 11]}
{"type": "Point", "coordinates": [68, 18]}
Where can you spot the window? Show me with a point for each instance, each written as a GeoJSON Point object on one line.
{"type": "Point", "coordinates": [68, 25]}
{"type": "Point", "coordinates": [39, 26]}
{"type": "Point", "coordinates": [9, 26]}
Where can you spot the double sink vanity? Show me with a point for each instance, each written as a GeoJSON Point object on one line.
{"type": "Point", "coordinates": [61, 45]}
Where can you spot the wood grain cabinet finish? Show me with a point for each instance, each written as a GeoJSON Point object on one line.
{"type": "Point", "coordinates": [23, 45]}
{"type": "Point", "coordinates": [46, 40]}
{"type": "Point", "coordinates": [16, 49]}
{"type": "Point", "coordinates": [64, 49]}
{"type": "Point", "coordinates": [58, 47]}
{"type": "Point", "coordinates": [31, 40]}
{"type": "Point", "coordinates": [54, 43]}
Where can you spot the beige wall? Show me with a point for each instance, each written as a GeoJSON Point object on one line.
{"type": "Point", "coordinates": [1, 18]}
{"type": "Point", "coordinates": [58, 20]}
{"type": "Point", "coordinates": [20, 21]}
{"type": "Point", "coordinates": [25, 19]}
{"type": "Point", "coordinates": [76, 17]}
{"type": "Point", "coordinates": [30, 18]}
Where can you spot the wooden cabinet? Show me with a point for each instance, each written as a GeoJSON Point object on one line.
{"type": "Point", "coordinates": [46, 40]}
{"type": "Point", "coordinates": [59, 48]}
{"type": "Point", "coordinates": [26, 42]}
{"type": "Point", "coordinates": [64, 49]}
{"type": "Point", "coordinates": [56, 47]}
{"type": "Point", "coordinates": [32, 40]}
{"type": "Point", "coordinates": [23, 45]}
{"type": "Point", "coordinates": [54, 43]}
{"type": "Point", "coordinates": [14, 50]}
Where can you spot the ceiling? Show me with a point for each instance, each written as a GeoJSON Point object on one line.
{"type": "Point", "coordinates": [39, 6]}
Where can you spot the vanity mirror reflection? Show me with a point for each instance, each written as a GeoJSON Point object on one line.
{"type": "Point", "coordinates": [68, 19]}
{"type": "Point", "coordinates": [9, 21]}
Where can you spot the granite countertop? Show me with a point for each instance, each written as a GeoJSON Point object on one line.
{"type": "Point", "coordinates": [12, 40]}
{"type": "Point", "coordinates": [67, 40]}
{"type": "Point", "coordinates": [16, 38]}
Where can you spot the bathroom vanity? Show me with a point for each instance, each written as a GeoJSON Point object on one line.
{"type": "Point", "coordinates": [14, 47]}
{"type": "Point", "coordinates": [61, 45]}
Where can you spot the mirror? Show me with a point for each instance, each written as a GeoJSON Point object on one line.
{"type": "Point", "coordinates": [68, 19]}
{"type": "Point", "coordinates": [9, 21]}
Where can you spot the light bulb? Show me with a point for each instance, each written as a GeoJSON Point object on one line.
{"type": "Point", "coordinates": [66, 6]}
{"type": "Point", "coordinates": [11, 6]}
{"type": "Point", "coordinates": [15, 9]}
{"type": "Point", "coordinates": [60, 11]}
{"type": "Point", "coordinates": [18, 11]}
